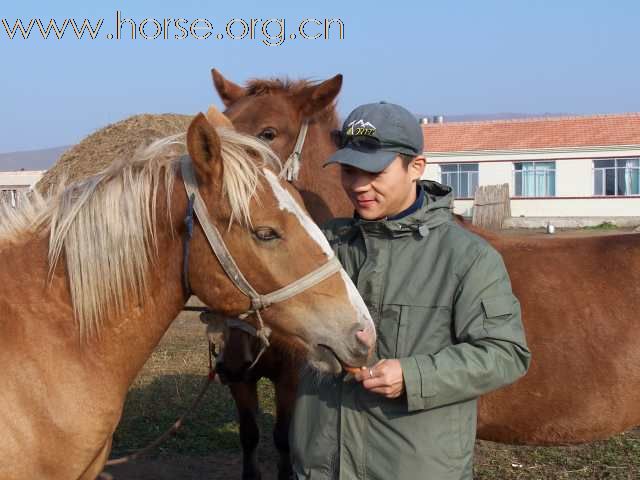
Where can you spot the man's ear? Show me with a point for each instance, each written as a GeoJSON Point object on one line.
{"type": "Point", "coordinates": [229, 92]}
{"type": "Point", "coordinates": [203, 144]}
{"type": "Point", "coordinates": [417, 166]}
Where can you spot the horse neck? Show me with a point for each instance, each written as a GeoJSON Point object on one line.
{"type": "Point", "coordinates": [41, 323]}
{"type": "Point", "coordinates": [321, 188]}
{"type": "Point", "coordinates": [129, 340]}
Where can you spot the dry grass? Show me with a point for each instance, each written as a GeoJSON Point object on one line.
{"type": "Point", "coordinates": [118, 140]}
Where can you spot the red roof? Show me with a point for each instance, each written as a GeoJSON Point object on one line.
{"type": "Point", "coordinates": [549, 132]}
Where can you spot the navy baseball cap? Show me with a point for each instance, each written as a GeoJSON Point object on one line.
{"type": "Point", "coordinates": [374, 134]}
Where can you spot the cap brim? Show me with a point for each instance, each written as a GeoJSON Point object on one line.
{"type": "Point", "coordinates": [373, 162]}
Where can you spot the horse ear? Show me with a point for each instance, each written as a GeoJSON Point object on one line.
{"type": "Point", "coordinates": [229, 92]}
{"type": "Point", "coordinates": [313, 99]}
{"type": "Point", "coordinates": [217, 118]}
{"type": "Point", "coordinates": [205, 151]}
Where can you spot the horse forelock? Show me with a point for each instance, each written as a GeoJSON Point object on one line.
{"type": "Point", "coordinates": [106, 224]}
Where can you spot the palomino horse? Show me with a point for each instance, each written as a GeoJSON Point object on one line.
{"type": "Point", "coordinates": [579, 298]}
{"type": "Point", "coordinates": [92, 277]}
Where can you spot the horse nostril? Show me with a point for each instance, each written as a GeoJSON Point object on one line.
{"type": "Point", "coordinates": [365, 337]}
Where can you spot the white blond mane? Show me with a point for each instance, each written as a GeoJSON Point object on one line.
{"type": "Point", "coordinates": [105, 224]}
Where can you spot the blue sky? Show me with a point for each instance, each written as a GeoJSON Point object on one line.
{"type": "Point", "coordinates": [452, 57]}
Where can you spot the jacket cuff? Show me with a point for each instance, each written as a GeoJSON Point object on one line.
{"type": "Point", "coordinates": [412, 383]}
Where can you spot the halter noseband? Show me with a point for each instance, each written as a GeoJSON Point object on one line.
{"type": "Point", "coordinates": [197, 208]}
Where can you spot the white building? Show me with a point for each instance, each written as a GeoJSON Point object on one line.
{"type": "Point", "coordinates": [555, 167]}
{"type": "Point", "coordinates": [15, 184]}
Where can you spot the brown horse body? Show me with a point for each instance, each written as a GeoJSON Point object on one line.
{"type": "Point", "coordinates": [64, 383]}
{"type": "Point", "coordinates": [579, 299]}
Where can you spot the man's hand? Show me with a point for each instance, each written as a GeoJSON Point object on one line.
{"type": "Point", "coordinates": [384, 378]}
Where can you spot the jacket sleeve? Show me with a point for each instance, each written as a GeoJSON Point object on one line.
{"type": "Point", "coordinates": [491, 351]}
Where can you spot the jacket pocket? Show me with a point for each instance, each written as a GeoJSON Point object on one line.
{"type": "Point", "coordinates": [497, 310]}
{"type": "Point", "coordinates": [409, 329]}
{"type": "Point", "coordinates": [387, 331]}
{"type": "Point", "coordinates": [423, 329]}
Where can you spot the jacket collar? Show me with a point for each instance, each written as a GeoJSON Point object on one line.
{"type": "Point", "coordinates": [415, 206]}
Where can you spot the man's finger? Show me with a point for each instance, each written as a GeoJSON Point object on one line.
{"type": "Point", "coordinates": [379, 362]}
{"type": "Point", "coordinates": [362, 374]}
{"type": "Point", "coordinates": [374, 382]}
{"type": "Point", "coordinates": [389, 392]}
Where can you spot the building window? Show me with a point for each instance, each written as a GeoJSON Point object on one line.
{"type": "Point", "coordinates": [9, 196]}
{"type": "Point", "coordinates": [535, 179]}
{"type": "Point", "coordinates": [616, 176]}
{"type": "Point", "coordinates": [461, 177]}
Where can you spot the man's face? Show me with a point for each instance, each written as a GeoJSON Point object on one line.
{"type": "Point", "coordinates": [379, 195]}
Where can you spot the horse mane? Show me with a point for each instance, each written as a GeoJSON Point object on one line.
{"type": "Point", "coordinates": [285, 86]}
{"type": "Point", "coordinates": [106, 224]}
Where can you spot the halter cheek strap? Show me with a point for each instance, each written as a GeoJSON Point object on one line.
{"type": "Point", "coordinates": [291, 168]}
{"type": "Point", "coordinates": [188, 234]}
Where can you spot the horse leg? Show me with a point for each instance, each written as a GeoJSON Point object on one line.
{"type": "Point", "coordinates": [245, 395]}
{"type": "Point", "coordinates": [285, 401]}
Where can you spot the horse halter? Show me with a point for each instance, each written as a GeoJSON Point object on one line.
{"type": "Point", "coordinates": [258, 301]}
{"type": "Point", "coordinates": [291, 167]}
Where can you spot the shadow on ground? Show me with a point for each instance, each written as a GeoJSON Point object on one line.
{"type": "Point", "coordinates": [206, 447]}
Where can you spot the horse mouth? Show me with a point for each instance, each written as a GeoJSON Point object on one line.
{"type": "Point", "coordinates": [331, 357]}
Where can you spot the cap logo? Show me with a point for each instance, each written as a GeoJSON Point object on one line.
{"type": "Point", "coordinates": [360, 127]}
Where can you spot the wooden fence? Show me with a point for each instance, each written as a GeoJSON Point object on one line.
{"type": "Point", "coordinates": [491, 206]}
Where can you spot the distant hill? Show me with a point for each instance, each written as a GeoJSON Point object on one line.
{"type": "Point", "coordinates": [30, 159]}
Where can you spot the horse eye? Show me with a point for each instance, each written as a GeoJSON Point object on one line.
{"type": "Point", "coordinates": [268, 134]}
{"type": "Point", "coordinates": [266, 234]}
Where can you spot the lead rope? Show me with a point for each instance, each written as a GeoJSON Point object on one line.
{"type": "Point", "coordinates": [262, 333]}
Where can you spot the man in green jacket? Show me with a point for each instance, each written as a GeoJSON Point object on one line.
{"type": "Point", "coordinates": [448, 325]}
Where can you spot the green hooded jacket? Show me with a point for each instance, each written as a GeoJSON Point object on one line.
{"type": "Point", "coordinates": [441, 300]}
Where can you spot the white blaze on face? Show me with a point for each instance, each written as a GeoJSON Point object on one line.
{"type": "Point", "coordinates": [356, 300]}
{"type": "Point", "coordinates": [288, 203]}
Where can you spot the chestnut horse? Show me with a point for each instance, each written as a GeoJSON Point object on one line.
{"type": "Point", "coordinates": [579, 298]}
{"type": "Point", "coordinates": [92, 277]}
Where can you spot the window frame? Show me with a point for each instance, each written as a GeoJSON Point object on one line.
{"type": "Point", "coordinates": [616, 169]}
{"type": "Point", "coordinates": [13, 197]}
{"type": "Point", "coordinates": [469, 173]}
{"type": "Point", "coordinates": [535, 170]}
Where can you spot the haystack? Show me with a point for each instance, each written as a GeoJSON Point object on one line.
{"type": "Point", "coordinates": [118, 140]}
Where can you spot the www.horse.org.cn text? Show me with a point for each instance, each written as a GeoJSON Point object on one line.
{"type": "Point", "coordinates": [271, 32]}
